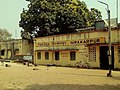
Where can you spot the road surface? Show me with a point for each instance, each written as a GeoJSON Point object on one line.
{"type": "Point", "coordinates": [22, 77]}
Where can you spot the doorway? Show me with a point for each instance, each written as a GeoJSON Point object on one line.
{"type": "Point", "coordinates": [104, 61]}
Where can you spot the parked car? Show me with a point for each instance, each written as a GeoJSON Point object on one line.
{"type": "Point", "coordinates": [25, 59]}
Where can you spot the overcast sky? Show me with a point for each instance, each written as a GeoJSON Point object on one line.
{"type": "Point", "coordinates": [10, 12]}
{"type": "Point", "coordinates": [10, 15]}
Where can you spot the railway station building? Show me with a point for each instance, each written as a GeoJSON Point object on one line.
{"type": "Point", "coordinates": [88, 45]}
{"type": "Point", "coordinates": [12, 49]}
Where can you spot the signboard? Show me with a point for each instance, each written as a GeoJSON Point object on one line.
{"type": "Point", "coordinates": [71, 42]}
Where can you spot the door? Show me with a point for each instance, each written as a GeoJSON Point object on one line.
{"type": "Point", "coordinates": [104, 61]}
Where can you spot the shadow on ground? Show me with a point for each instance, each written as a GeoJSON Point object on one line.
{"type": "Point", "coordinates": [70, 87]}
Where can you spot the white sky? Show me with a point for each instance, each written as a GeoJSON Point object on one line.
{"type": "Point", "coordinates": [10, 12]}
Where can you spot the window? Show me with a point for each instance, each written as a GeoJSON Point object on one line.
{"type": "Point", "coordinates": [46, 55]}
{"type": "Point", "coordinates": [73, 55]}
{"type": "Point", "coordinates": [39, 55]}
{"type": "Point", "coordinates": [16, 51]}
{"type": "Point", "coordinates": [92, 54]}
{"type": "Point", "coordinates": [119, 54]}
{"type": "Point", "coordinates": [56, 55]}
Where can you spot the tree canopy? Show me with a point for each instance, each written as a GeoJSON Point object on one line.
{"type": "Point", "coordinates": [51, 17]}
{"type": "Point", "coordinates": [4, 35]}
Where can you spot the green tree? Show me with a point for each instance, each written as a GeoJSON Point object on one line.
{"type": "Point", "coordinates": [50, 17]}
{"type": "Point", "coordinates": [95, 15]}
{"type": "Point", "coordinates": [4, 35]}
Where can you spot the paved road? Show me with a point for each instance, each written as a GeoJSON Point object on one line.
{"type": "Point", "coordinates": [22, 77]}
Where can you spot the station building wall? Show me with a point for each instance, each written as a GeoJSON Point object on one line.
{"type": "Point", "coordinates": [86, 46]}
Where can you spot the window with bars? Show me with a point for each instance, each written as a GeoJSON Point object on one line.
{"type": "Point", "coordinates": [119, 54]}
{"type": "Point", "coordinates": [73, 55]}
{"type": "Point", "coordinates": [56, 55]}
{"type": "Point", "coordinates": [39, 55]}
{"type": "Point", "coordinates": [92, 54]}
{"type": "Point", "coordinates": [46, 55]}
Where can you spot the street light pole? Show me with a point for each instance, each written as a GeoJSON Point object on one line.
{"type": "Point", "coordinates": [109, 40]}
{"type": "Point", "coordinates": [117, 11]}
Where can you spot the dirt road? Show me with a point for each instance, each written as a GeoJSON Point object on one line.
{"type": "Point", "coordinates": [22, 77]}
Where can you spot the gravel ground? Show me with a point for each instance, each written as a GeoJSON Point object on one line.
{"type": "Point", "coordinates": [21, 77]}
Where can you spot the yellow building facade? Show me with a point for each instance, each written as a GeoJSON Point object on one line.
{"type": "Point", "coordinates": [12, 48]}
{"type": "Point", "coordinates": [89, 46]}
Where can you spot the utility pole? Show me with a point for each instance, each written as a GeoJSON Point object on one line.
{"type": "Point", "coordinates": [7, 50]}
{"type": "Point", "coordinates": [109, 41]}
{"type": "Point", "coordinates": [0, 50]}
{"type": "Point", "coordinates": [117, 11]}
{"type": "Point", "coordinates": [15, 34]}
{"type": "Point", "coordinates": [12, 48]}
{"type": "Point", "coordinates": [52, 62]}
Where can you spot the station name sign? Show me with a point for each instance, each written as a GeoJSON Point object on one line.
{"type": "Point", "coordinates": [71, 42]}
